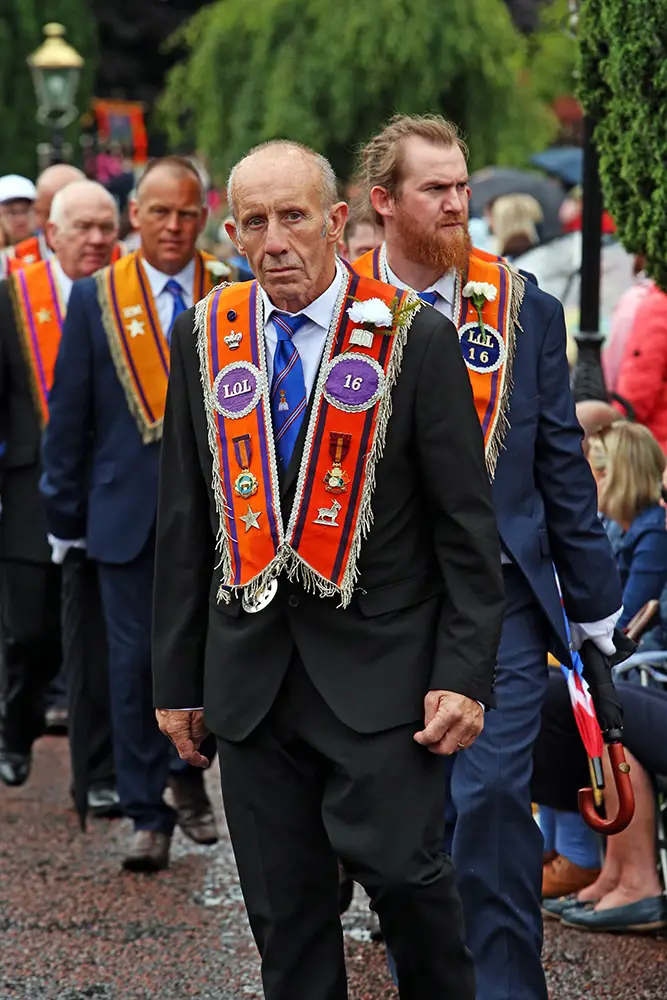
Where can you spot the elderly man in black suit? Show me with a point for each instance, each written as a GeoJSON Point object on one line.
{"type": "Point", "coordinates": [328, 583]}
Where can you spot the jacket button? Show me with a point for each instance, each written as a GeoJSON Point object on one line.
{"type": "Point", "coordinates": [293, 601]}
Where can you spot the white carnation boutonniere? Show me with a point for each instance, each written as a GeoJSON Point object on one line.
{"type": "Point", "coordinates": [479, 293]}
{"type": "Point", "coordinates": [218, 268]}
{"type": "Point", "coordinates": [375, 316]}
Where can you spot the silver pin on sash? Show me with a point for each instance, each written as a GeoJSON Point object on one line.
{"type": "Point", "coordinates": [261, 599]}
{"type": "Point", "coordinates": [233, 340]}
{"type": "Point", "coordinates": [328, 515]}
{"type": "Point", "coordinates": [361, 338]}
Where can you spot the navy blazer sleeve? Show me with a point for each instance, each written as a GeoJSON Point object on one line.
{"type": "Point", "coordinates": [579, 545]}
{"type": "Point", "coordinates": [647, 573]}
{"type": "Point", "coordinates": [65, 448]}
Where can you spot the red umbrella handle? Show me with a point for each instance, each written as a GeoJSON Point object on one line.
{"type": "Point", "coordinates": [626, 796]}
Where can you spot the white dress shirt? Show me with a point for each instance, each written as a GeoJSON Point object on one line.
{"type": "Point", "coordinates": [63, 282]}
{"type": "Point", "coordinates": [164, 300]}
{"type": "Point", "coordinates": [311, 338]}
{"type": "Point", "coordinates": [445, 288]}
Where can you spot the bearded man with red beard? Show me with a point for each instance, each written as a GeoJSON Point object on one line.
{"type": "Point", "coordinates": [512, 337]}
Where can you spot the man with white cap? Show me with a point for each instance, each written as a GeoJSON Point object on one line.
{"type": "Point", "coordinates": [17, 197]}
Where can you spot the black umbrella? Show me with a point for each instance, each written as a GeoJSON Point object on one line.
{"type": "Point", "coordinates": [494, 182]}
{"type": "Point", "coordinates": [597, 673]}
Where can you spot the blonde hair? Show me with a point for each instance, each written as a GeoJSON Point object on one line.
{"type": "Point", "coordinates": [634, 466]}
{"type": "Point", "coordinates": [381, 159]}
{"type": "Point", "coordinates": [515, 215]}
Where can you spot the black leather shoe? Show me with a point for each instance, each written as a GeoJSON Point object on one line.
{"type": "Point", "coordinates": [194, 813]}
{"type": "Point", "coordinates": [104, 803]}
{"type": "Point", "coordinates": [14, 767]}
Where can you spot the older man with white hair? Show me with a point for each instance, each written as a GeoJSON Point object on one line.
{"type": "Point", "coordinates": [82, 229]}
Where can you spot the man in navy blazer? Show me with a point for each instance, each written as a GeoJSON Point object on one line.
{"type": "Point", "coordinates": [416, 177]}
{"type": "Point", "coordinates": [100, 482]}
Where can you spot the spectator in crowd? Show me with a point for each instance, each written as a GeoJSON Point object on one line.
{"type": "Point", "coordinates": [629, 494]}
{"type": "Point", "coordinates": [571, 849]}
{"type": "Point", "coordinates": [513, 220]}
{"type": "Point", "coordinates": [642, 378]}
{"type": "Point", "coordinates": [361, 234]}
{"type": "Point", "coordinates": [17, 198]}
{"type": "Point", "coordinates": [622, 323]}
{"type": "Point", "coordinates": [626, 895]}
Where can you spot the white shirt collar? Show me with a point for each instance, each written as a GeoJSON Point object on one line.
{"type": "Point", "coordinates": [63, 282]}
{"type": "Point", "coordinates": [444, 286]}
{"type": "Point", "coordinates": [321, 310]}
{"type": "Point", "coordinates": [157, 280]}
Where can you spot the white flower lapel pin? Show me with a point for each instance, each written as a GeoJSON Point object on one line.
{"type": "Point", "coordinates": [479, 293]}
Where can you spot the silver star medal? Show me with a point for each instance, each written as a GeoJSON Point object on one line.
{"type": "Point", "coordinates": [251, 519]}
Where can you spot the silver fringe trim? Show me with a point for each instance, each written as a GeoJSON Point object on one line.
{"type": "Point", "coordinates": [515, 296]}
{"type": "Point", "coordinates": [149, 432]}
{"type": "Point", "coordinates": [221, 506]}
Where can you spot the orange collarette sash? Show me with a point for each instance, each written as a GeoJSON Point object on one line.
{"type": "Point", "coordinates": [488, 354]}
{"type": "Point", "coordinates": [39, 318]}
{"type": "Point", "coordinates": [138, 345]}
{"type": "Point", "coordinates": [350, 409]}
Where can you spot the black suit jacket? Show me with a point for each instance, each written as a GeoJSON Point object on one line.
{"type": "Point", "coordinates": [428, 610]}
{"type": "Point", "coordinates": [23, 519]}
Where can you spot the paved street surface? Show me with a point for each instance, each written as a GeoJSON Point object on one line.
{"type": "Point", "coordinates": [72, 927]}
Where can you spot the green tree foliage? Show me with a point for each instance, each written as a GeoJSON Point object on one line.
{"type": "Point", "coordinates": [624, 89]}
{"type": "Point", "coordinates": [21, 23]}
{"type": "Point", "coordinates": [328, 73]}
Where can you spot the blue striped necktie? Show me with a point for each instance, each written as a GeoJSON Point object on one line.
{"type": "Point", "coordinates": [430, 297]}
{"type": "Point", "coordinates": [176, 293]}
{"type": "Point", "coordinates": [288, 389]}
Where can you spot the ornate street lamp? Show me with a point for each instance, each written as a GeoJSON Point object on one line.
{"type": "Point", "coordinates": [56, 68]}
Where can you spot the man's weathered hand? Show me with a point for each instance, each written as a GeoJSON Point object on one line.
{"type": "Point", "coordinates": [186, 730]}
{"type": "Point", "coordinates": [451, 722]}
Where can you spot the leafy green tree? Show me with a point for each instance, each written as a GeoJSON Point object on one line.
{"type": "Point", "coordinates": [21, 23]}
{"type": "Point", "coordinates": [624, 89]}
{"type": "Point", "coordinates": [328, 73]}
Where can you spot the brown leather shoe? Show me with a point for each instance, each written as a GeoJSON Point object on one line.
{"type": "Point", "coordinates": [561, 877]}
{"type": "Point", "coordinates": [194, 813]}
{"type": "Point", "coordinates": [148, 851]}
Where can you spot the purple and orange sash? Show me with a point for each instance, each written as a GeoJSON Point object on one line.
{"type": "Point", "coordinates": [488, 354]}
{"type": "Point", "coordinates": [39, 317]}
{"type": "Point", "coordinates": [138, 345]}
{"type": "Point", "coordinates": [350, 409]}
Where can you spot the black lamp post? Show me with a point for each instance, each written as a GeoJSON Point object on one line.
{"type": "Point", "coordinates": [588, 378]}
{"type": "Point", "coordinates": [56, 68]}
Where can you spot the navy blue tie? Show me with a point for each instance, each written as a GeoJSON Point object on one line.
{"type": "Point", "coordinates": [176, 292]}
{"type": "Point", "coordinates": [288, 389]}
{"type": "Point", "coordinates": [430, 297]}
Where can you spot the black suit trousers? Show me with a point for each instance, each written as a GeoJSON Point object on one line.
{"type": "Point", "coordinates": [31, 651]}
{"type": "Point", "coordinates": [85, 655]}
{"type": "Point", "coordinates": [303, 790]}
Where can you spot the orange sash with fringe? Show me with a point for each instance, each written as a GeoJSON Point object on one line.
{"type": "Point", "coordinates": [350, 408]}
{"type": "Point", "coordinates": [39, 316]}
{"type": "Point", "coordinates": [488, 353]}
{"type": "Point", "coordinates": [138, 345]}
